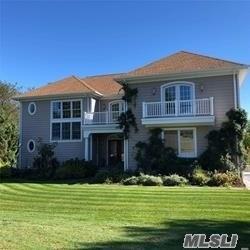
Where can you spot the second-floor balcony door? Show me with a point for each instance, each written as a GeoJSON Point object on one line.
{"type": "Point", "coordinates": [178, 99]}
{"type": "Point", "coordinates": [116, 108]}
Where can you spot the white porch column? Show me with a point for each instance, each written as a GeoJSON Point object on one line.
{"type": "Point", "coordinates": [86, 148]}
{"type": "Point", "coordinates": [125, 154]}
{"type": "Point", "coordinates": [86, 145]}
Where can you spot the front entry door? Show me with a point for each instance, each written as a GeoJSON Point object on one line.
{"type": "Point", "coordinates": [115, 152]}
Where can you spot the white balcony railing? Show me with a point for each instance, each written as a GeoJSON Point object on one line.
{"type": "Point", "coordinates": [95, 118]}
{"type": "Point", "coordinates": [195, 107]}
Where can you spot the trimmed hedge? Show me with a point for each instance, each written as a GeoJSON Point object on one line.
{"type": "Point", "coordinates": [75, 169]}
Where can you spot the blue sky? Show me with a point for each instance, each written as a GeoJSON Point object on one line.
{"type": "Point", "coordinates": [43, 41]}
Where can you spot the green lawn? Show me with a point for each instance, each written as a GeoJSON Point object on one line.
{"type": "Point", "coordinates": [63, 216]}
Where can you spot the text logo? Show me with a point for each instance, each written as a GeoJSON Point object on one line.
{"type": "Point", "coordinates": [214, 241]}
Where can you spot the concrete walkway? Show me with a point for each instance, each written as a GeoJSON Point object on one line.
{"type": "Point", "coordinates": [246, 179]}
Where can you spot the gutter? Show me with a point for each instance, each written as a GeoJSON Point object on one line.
{"type": "Point", "coordinates": [181, 75]}
{"type": "Point", "coordinates": [53, 96]}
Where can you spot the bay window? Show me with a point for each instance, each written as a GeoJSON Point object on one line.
{"type": "Point", "coordinates": [66, 120]}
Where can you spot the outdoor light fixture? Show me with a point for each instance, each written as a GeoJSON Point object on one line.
{"type": "Point", "coordinates": [153, 91]}
{"type": "Point", "coordinates": [201, 87]}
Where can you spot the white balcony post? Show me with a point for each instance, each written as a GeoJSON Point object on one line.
{"type": "Point", "coordinates": [107, 117]}
{"type": "Point", "coordinates": [143, 109]}
{"type": "Point", "coordinates": [211, 106]}
{"type": "Point", "coordinates": [176, 107]}
{"type": "Point", "coordinates": [194, 107]}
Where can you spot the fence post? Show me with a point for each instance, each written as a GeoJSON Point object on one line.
{"type": "Point", "coordinates": [144, 109]}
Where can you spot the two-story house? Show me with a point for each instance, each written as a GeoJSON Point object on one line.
{"type": "Point", "coordinates": [185, 94]}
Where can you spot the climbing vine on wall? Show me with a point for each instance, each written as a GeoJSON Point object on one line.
{"type": "Point", "coordinates": [127, 118]}
{"type": "Point", "coordinates": [225, 149]}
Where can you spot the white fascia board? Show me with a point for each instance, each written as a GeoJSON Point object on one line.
{"type": "Point", "coordinates": [95, 129]}
{"type": "Point", "coordinates": [179, 121]}
{"type": "Point", "coordinates": [54, 97]}
{"type": "Point", "coordinates": [176, 76]}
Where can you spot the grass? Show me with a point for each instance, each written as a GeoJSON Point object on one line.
{"type": "Point", "coordinates": [63, 216]}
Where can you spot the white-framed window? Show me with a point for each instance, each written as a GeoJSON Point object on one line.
{"type": "Point", "coordinates": [178, 97]}
{"type": "Point", "coordinates": [116, 108]}
{"type": "Point", "coordinates": [66, 120]}
{"type": "Point", "coordinates": [32, 108]}
{"type": "Point", "coordinates": [31, 146]}
{"type": "Point", "coordinates": [183, 140]}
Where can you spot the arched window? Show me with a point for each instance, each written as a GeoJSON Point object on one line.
{"type": "Point", "coordinates": [178, 97]}
{"type": "Point", "coordinates": [116, 108]}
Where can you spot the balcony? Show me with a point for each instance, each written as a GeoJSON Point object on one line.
{"type": "Point", "coordinates": [101, 122]}
{"type": "Point", "coordinates": [183, 112]}
{"type": "Point", "coordinates": [101, 118]}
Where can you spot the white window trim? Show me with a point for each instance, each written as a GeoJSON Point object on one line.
{"type": "Point", "coordinates": [28, 148]}
{"type": "Point", "coordinates": [177, 83]}
{"type": "Point", "coordinates": [62, 120]}
{"type": "Point", "coordinates": [32, 103]}
{"type": "Point", "coordinates": [120, 102]}
{"type": "Point", "coordinates": [194, 155]}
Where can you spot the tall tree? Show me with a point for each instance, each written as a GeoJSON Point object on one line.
{"type": "Point", "coordinates": [8, 124]}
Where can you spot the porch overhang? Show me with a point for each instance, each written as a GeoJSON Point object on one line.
{"type": "Point", "coordinates": [179, 121]}
{"type": "Point", "coordinates": [100, 129]}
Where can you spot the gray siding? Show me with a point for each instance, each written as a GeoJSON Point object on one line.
{"type": "Point", "coordinates": [38, 126]}
{"type": "Point", "coordinates": [219, 87]}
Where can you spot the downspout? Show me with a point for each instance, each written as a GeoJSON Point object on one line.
{"type": "Point", "coordinates": [235, 90]}
{"type": "Point", "coordinates": [238, 90]}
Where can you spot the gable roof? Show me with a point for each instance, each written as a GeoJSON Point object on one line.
{"type": "Point", "coordinates": [108, 86]}
{"type": "Point", "coordinates": [102, 86]}
{"type": "Point", "coordinates": [69, 85]}
{"type": "Point", "coordinates": [183, 62]}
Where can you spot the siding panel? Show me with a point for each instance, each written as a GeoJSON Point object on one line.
{"type": "Point", "coordinates": [38, 127]}
{"type": "Point", "coordinates": [219, 87]}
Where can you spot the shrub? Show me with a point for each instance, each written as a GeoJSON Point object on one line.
{"type": "Point", "coordinates": [199, 177]}
{"type": "Point", "coordinates": [45, 163]}
{"type": "Point", "coordinates": [219, 179]}
{"type": "Point", "coordinates": [149, 180]}
{"type": "Point", "coordinates": [174, 180]}
{"type": "Point", "coordinates": [225, 146]}
{"type": "Point", "coordinates": [5, 172]}
{"type": "Point", "coordinates": [228, 178]}
{"type": "Point", "coordinates": [75, 169]}
{"type": "Point", "coordinates": [133, 180]}
{"type": "Point", "coordinates": [102, 176]}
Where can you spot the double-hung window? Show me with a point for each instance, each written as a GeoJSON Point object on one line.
{"type": "Point", "coordinates": [66, 120]}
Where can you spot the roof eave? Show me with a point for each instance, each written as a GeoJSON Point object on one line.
{"type": "Point", "coordinates": [189, 74]}
{"type": "Point", "coordinates": [54, 96]}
